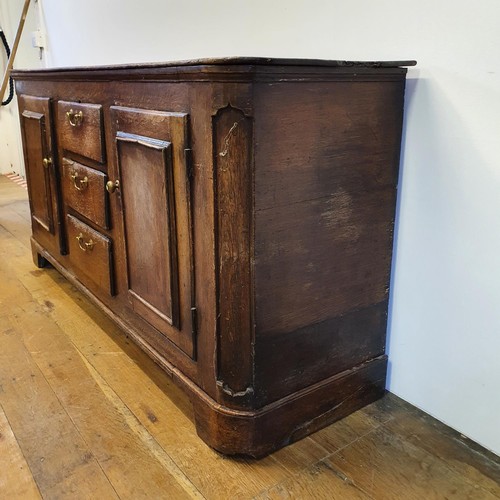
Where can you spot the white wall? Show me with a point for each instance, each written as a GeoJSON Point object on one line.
{"type": "Point", "coordinates": [11, 152]}
{"type": "Point", "coordinates": [444, 343]}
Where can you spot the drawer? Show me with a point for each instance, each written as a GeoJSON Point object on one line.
{"type": "Point", "coordinates": [90, 254]}
{"type": "Point", "coordinates": [84, 190]}
{"type": "Point", "coordinates": [81, 130]}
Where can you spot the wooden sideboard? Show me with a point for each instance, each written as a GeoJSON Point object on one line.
{"type": "Point", "coordinates": [235, 217]}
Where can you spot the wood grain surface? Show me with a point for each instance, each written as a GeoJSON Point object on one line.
{"type": "Point", "coordinates": [84, 137]}
{"type": "Point", "coordinates": [84, 191]}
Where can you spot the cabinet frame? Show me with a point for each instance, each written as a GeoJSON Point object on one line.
{"type": "Point", "coordinates": [233, 352]}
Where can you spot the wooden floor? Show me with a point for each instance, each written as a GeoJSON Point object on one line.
{"type": "Point", "coordinates": [85, 414]}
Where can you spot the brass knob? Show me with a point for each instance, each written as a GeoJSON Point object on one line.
{"type": "Point", "coordinates": [85, 245]}
{"type": "Point", "coordinates": [75, 118]}
{"type": "Point", "coordinates": [47, 162]}
{"type": "Point", "coordinates": [111, 186]}
{"type": "Point", "coordinates": [80, 184]}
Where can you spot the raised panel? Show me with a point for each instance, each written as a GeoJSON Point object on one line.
{"type": "Point", "coordinates": [36, 128]}
{"type": "Point", "coordinates": [155, 195]}
{"type": "Point", "coordinates": [39, 180]}
{"type": "Point", "coordinates": [149, 215]}
{"type": "Point", "coordinates": [234, 204]}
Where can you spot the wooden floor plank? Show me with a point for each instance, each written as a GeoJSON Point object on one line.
{"type": "Point", "coordinates": [56, 454]}
{"type": "Point", "coordinates": [301, 454]}
{"type": "Point", "coordinates": [16, 479]}
{"type": "Point", "coordinates": [172, 425]}
{"type": "Point", "coordinates": [460, 453]}
{"type": "Point", "coordinates": [162, 407]}
{"type": "Point", "coordinates": [346, 431]}
{"type": "Point", "coordinates": [386, 466]}
{"type": "Point", "coordinates": [469, 460]}
{"type": "Point", "coordinates": [317, 482]}
{"type": "Point", "coordinates": [130, 457]}
{"type": "Point", "coordinates": [129, 462]}
{"type": "Point", "coordinates": [12, 194]}
{"type": "Point", "coordinates": [15, 224]}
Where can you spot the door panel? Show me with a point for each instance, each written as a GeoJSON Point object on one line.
{"type": "Point", "coordinates": [36, 127]}
{"type": "Point", "coordinates": [151, 259]}
{"type": "Point", "coordinates": [39, 178]}
{"type": "Point", "coordinates": [155, 197]}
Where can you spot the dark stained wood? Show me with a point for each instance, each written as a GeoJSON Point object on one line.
{"type": "Point", "coordinates": [39, 182]}
{"type": "Point", "coordinates": [90, 253]}
{"type": "Point", "coordinates": [146, 193]}
{"type": "Point", "coordinates": [84, 136]}
{"type": "Point", "coordinates": [38, 259]}
{"type": "Point", "coordinates": [247, 245]}
{"type": "Point", "coordinates": [41, 173]}
{"type": "Point", "coordinates": [292, 418]}
{"type": "Point", "coordinates": [84, 191]}
{"type": "Point", "coordinates": [226, 69]}
{"type": "Point", "coordinates": [343, 342]}
{"type": "Point", "coordinates": [325, 198]}
{"type": "Point", "coordinates": [232, 158]}
{"type": "Point", "coordinates": [330, 184]}
{"type": "Point", "coordinates": [154, 192]}
{"type": "Point", "coordinates": [261, 61]}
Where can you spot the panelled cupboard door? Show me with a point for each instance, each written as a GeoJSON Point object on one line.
{"type": "Point", "coordinates": [154, 186]}
{"type": "Point", "coordinates": [37, 131]}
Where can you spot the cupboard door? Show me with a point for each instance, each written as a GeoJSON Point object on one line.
{"type": "Point", "coordinates": [37, 128]}
{"type": "Point", "coordinates": [155, 197]}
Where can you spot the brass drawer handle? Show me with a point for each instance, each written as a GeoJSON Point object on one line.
{"type": "Point", "coordinates": [75, 118]}
{"type": "Point", "coordinates": [112, 186]}
{"type": "Point", "coordinates": [85, 245]}
{"type": "Point", "coordinates": [47, 162]}
{"type": "Point", "coordinates": [80, 184]}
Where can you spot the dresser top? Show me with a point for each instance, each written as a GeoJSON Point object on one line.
{"type": "Point", "coordinates": [219, 66]}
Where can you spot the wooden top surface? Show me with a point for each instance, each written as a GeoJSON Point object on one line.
{"type": "Point", "coordinates": [230, 63]}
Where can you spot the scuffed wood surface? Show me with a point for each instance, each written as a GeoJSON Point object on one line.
{"type": "Point", "coordinates": [16, 478]}
{"type": "Point", "coordinates": [223, 61]}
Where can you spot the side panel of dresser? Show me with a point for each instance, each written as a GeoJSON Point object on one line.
{"type": "Point", "coordinates": [41, 173]}
{"type": "Point", "coordinates": [326, 161]}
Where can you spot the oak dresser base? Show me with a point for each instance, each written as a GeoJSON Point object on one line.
{"type": "Point", "coordinates": [234, 217]}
